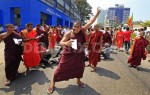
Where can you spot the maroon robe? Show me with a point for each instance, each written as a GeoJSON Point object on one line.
{"type": "Point", "coordinates": [94, 47]}
{"type": "Point", "coordinates": [72, 62]}
{"type": "Point", "coordinates": [43, 39]}
{"type": "Point", "coordinates": [107, 38]}
{"type": "Point", "coordinates": [138, 51]}
{"type": "Point", "coordinates": [12, 54]}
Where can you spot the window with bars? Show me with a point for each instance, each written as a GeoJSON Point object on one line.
{"type": "Point", "coordinates": [49, 2]}
{"type": "Point", "coordinates": [67, 12]}
{"type": "Point", "coordinates": [60, 7]}
{"type": "Point", "coordinates": [68, 2]}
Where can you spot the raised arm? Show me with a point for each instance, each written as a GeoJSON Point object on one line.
{"type": "Point", "coordinates": [92, 20]}
{"type": "Point", "coordinates": [2, 36]}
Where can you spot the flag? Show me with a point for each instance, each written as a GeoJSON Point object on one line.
{"type": "Point", "coordinates": [130, 21]}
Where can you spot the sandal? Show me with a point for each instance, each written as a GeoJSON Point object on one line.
{"type": "Point", "coordinates": [88, 65]}
{"type": "Point", "coordinates": [82, 85]}
{"type": "Point", "coordinates": [8, 83]}
{"type": "Point", "coordinates": [50, 89]}
{"type": "Point", "coordinates": [93, 70]}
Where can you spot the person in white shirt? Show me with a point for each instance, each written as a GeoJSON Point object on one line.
{"type": "Point", "coordinates": [106, 51]}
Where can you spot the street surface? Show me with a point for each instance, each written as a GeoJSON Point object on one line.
{"type": "Point", "coordinates": [113, 77]}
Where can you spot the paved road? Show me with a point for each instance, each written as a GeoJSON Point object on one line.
{"type": "Point", "coordinates": [113, 77]}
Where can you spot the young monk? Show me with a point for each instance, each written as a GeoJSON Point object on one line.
{"type": "Point", "coordinates": [72, 62]}
{"type": "Point", "coordinates": [119, 38]}
{"type": "Point", "coordinates": [107, 38]}
{"type": "Point", "coordinates": [12, 53]}
{"type": "Point", "coordinates": [31, 54]}
{"type": "Point", "coordinates": [138, 51]}
{"type": "Point", "coordinates": [95, 46]}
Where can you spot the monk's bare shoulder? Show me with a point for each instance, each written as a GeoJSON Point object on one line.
{"type": "Point", "coordinates": [68, 33]}
{"type": "Point", "coordinates": [3, 35]}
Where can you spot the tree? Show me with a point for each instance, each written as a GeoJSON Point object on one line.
{"type": "Point", "coordinates": [137, 22]}
{"type": "Point", "coordinates": [84, 9]}
{"type": "Point", "coordinates": [146, 24]}
{"type": "Point", "coordinates": [100, 24]}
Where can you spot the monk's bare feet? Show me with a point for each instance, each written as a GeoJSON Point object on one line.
{"type": "Point", "coordinates": [8, 83]}
{"type": "Point", "coordinates": [81, 84]}
{"type": "Point", "coordinates": [88, 65]}
{"type": "Point", "coordinates": [93, 68]}
{"type": "Point", "coordinates": [51, 88]}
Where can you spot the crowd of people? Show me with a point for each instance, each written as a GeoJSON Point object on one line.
{"type": "Point", "coordinates": [38, 44]}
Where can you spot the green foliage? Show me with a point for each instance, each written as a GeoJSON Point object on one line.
{"type": "Point", "coordinates": [101, 25]}
{"type": "Point", "coordinates": [84, 9]}
{"type": "Point", "coordinates": [137, 22]}
{"type": "Point", "coordinates": [133, 35]}
{"type": "Point", "coordinates": [146, 24]}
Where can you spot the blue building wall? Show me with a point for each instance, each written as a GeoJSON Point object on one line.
{"type": "Point", "coordinates": [119, 14]}
{"type": "Point", "coordinates": [31, 12]}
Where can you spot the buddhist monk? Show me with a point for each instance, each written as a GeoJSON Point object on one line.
{"type": "Point", "coordinates": [107, 38]}
{"type": "Point", "coordinates": [39, 33]}
{"type": "Point", "coordinates": [12, 53]}
{"type": "Point", "coordinates": [138, 51]}
{"type": "Point", "coordinates": [52, 38]}
{"type": "Point", "coordinates": [72, 60]}
{"type": "Point", "coordinates": [31, 54]}
{"type": "Point", "coordinates": [119, 38]}
{"type": "Point", "coordinates": [95, 46]}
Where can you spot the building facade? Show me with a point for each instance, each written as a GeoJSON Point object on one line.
{"type": "Point", "coordinates": [117, 15]}
{"type": "Point", "coordinates": [101, 17]}
{"type": "Point", "coordinates": [51, 12]}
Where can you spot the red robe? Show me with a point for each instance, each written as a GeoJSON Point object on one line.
{"type": "Point", "coordinates": [138, 51]}
{"type": "Point", "coordinates": [107, 38]}
{"type": "Point", "coordinates": [94, 47]}
{"type": "Point", "coordinates": [31, 53]}
{"type": "Point", "coordinates": [119, 39]}
{"type": "Point", "coordinates": [52, 39]}
{"type": "Point", "coordinates": [72, 62]}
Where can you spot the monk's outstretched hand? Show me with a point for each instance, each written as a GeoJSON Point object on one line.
{"type": "Point", "coordinates": [98, 10]}
{"type": "Point", "coordinates": [68, 43]}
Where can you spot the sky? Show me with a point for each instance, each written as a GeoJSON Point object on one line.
{"type": "Point", "coordinates": [139, 8]}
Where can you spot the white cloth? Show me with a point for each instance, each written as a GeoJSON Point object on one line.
{"type": "Point", "coordinates": [137, 33]}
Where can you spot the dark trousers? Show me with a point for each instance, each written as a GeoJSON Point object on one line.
{"type": "Point", "coordinates": [59, 52]}
{"type": "Point", "coordinates": [103, 54]}
{"type": "Point", "coordinates": [45, 59]}
{"type": "Point", "coordinates": [127, 45]}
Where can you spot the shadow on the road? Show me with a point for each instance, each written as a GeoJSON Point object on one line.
{"type": "Point", "coordinates": [110, 59]}
{"type": "Point", "coordinates": [23, 84]}
{"type": "Point", "coordinates": [76, 90]}
{"type": "Point", "coordinates": [107, 73]}
{"type": "Point", "coordinates": [144, 69]}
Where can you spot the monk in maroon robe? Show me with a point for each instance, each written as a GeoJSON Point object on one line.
{"type": "Point", "coordinates": [72, 62]}
{"type": "Point", "coordinates": [107, 38]}
{"type": "Point", "coordinates": [39, 33]}
{"type": "Point", "coordinates": [12, 53]}
{"type": "Point", "coordinates": [138, 51]}
{"type": "Point", "coordinates": [95, 46]}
